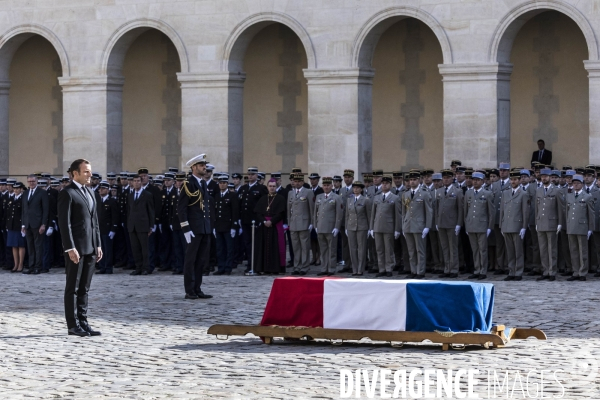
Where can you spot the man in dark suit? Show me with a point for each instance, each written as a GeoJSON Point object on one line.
{"type": "Point", "coordinates": [141, 224]}
{"type": "Point", "coordinates": [542, 155]}
{"type": "Point", "coordinates": [80, 234]}
{"type": "Point", "coordinates": [193, 209]}
{"type": "Point", "coordinates": [108, 217]}
{"type": "Point", "coordinates": [36, 210]}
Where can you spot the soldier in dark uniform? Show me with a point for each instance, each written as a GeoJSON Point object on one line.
{"type": "Point", "coordinates": [48, 257]}
{"type": "Point", "coordinates": [108, 220]}
{"type": "Point", "coordinates": [15, 240]}
{"type": "Point", "coordinates": [166, 234]}
{"type": "Point", "coordinates": [177, 238]}
{"type": "Point", "coordinates": [238, 242]}
{"type": "Point", "coordinates": [123, 252]}
{"type": "Point", "coordinates": [193, 209]}
{"type": "Point", "coordinates": [249, 195]}
{"type": "Point", "coordinates": [226, 225]}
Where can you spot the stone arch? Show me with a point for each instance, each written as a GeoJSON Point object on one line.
{"type": "Point", "coordinates": [241, 36]}
{"type": "Point", "coordinates": [12, 39]}
{"type": "Point", "coordinates": [371, 31]}
{"type": "Point", "coordinates": [116, 48]}
{"type": "Point", "coordinates": [508, 28]}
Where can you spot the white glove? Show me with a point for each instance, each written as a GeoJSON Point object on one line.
{"type": "Point", "coordinates": [240, 231]}
{"type": "Point", "coordinates": [233, 233]}
{"type": "Point", "coordinates": [111, 235]}
{"type": "Point", "coordinates": [310, 227]}
{"type": "Point", "coordinates": [558, 229]}
{"type": "Point", "coordinates": [346, 231]}
{"type": "Point", "coordinates": [335, 232]}
{"type": "Point", "coordinates": [49, 231]}
{"type": "Point", "coordinates": [522, 234]}
{"type": "Point", "coordinates": [457, 230]}
{"type": "Point", "coordinates": [154, 229]}
{"type": "Point", "coordinates": [188, 236]}
{"type": "Point", "coordinates": [436, 227]}
{"type": "Point", "coordinates": [22, 233]}
{"type": "Point", "coordinates": [488, 233]}
{"type": "Point", "coordinates": [160, 227]}
{"type": "Point", "coordinates": [214, 233]}
{"type": "Point", "coordinates": [171, 226]}
{"type": "Point", "coordinates": [316, 230]}
{"type": "Point", "coordinates": [370, 233]}
{"type": "Point", "coordinates": [589, 234]}
{"type": "Point", "coordinates": [425, 232]}
{"type": "Point", "coordinates": [396, 235]}
{"type": "Point", "coordinates": [123, 224]}
{"type": "Point", "coordinates": [56, 227]}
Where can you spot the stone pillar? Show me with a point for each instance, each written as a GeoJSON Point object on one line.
{"type": "Point", "coordinates": [4, 135]}
{"type": "Point", "coordinates": [476, 113]}
{"type": "Point", "coordinates": [339, 120]}
{"type": "Point", "coordinates": [593, 68]}
{"type": "Point", "coordinates": [92, 122]}
{"type": "Point", "coordinates": [212, 112]}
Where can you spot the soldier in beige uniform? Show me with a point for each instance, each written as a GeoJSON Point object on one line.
{"type": "Point", "coordinates": [299, 214]}
{"type": "Point", "coordinates": [479, 215]}
{"type": "Point", "coordinates": [449, 220]}
{"type": "Point", "coordinates": [358, 219]}
{"type": "Point", "coordinates": [499, 188]}
{"type": "Point", "coordinates": [327, 220]}
{"type": "Point", "coordinates": [580, 225]}
{"type": "Point", "coordinates": [385, 226]}
{"type": "Point", "coordinates": [514, 217]}
{"type": "Point", "coordinates": [549, 220]}
{"type": "Point", "coordinates": [417, 217]}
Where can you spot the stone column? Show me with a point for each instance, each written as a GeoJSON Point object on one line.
{"type": "Point", "coordinates": [212, 118]}
{"type": "Point", "coordinates": [339, 120]}
{"type": "Point", "coordinates": [593, 68]}
{"type": "Point", "coordinates": [92, 122]}
{"type": "Point", "coordinates": [476, 113]}
{"type": "Point", "coordinates": [4, 135]}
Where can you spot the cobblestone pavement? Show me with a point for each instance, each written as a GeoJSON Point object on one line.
{"type": "Point", "coordinates": [154, 343]}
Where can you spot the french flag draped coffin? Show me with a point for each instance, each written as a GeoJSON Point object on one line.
{"type": "Point", "coordinates": [389, 305]}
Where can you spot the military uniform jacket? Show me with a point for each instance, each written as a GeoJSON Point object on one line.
{"type": "Point", "coordinates": [549, 208]}
{"type": "Point", "coordinates": [498, 190]}
{"type": "Point", "coordinates": [300, 209]}
{"type": "Point", "coordinates": [167, 204]}
{"type": "Point", "coordinates": [174, 217]}
{"type": "Point", "coordinates": [123, 202]}
{"type": "Point", "coordinates": [596, 199]}
{"type": "Point", "coordinates": [417, 212]}
{"type": "Point", "coordinates": [328, 213]}
{"type": "Point", "coordinates": [12, 214]}
{"type": "Point", "coordinates": [194, 207]}
{"type": "Point", "coordinates": [212, 187]}
{"type": "Point", "coordinates": [249, 196]}
{"type": "Point", "coordinates": [358, 213]}
{"type": "Point", "coordinates": [386, 215]}
{"type": "Point", "coordinates": [226, 212]}
{"type": "Point", "coordinates": [450, 207]}
{"type": "Point", "coordinates": [514, 211]}
{"type": "Point", "coordinates": [580, 213]}
{"type": "Point", "coordinates": [479, 212]}
{"type": "Point", "coordinates": [108, 215]}
{"type": "Point", "coordinates": [373, 191]}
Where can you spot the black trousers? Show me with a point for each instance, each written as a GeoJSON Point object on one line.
{"type": "Point", "coordinates": [139, 246]}
{"type": "Point", "coordinates": [35, 247]}
{"type": "Point", "coordinates": [79, 279]}
{"type": "Point", "coordinates": [197, 254]}
{"type": "Point", "coordinates": [247, 237]}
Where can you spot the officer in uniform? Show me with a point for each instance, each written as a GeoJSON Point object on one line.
{"type": "Point", "coordinates": [299, 215]}
{"type": "Point", "coordinates": [193, 209]}
{"type": "Point", "coordinates": [166, 233]}
{"type": "Point", "coordinates": [108, 220]}
{"type": "Point", "coordinates": [386, 225]}
{"type": "Point", "coordinates": [479, 214]}
{"type": "Point", "coordinates": [498, 189]}
{"type": "Point", "coordinates": [249, 195]}
{"type": "Point", "coordinates": [580, 221]}
{"type": "Point", "coordinates": [226, 225]}
{"type": "Point", "coordinates": [358, 219]}
{"type": "Point", "coordinates": [327, 220]}
{"type": "Point", "coordinates": [417, 218]}
{"type": "Point", "coordinates": [449, 220]}
{"type": "Point", "coordinates": [549, 220]}
{"type": "Point", "coordinates": [514, 218]}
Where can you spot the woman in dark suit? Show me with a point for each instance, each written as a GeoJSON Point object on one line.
{"type": "Point", "coordinates": [15, 238]}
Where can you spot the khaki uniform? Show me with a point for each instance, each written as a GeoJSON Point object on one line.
{"type": "Point", "coordinates": [549, 206]}
{"type": "Point", "coordinates": [417, 214]}
{"type": "Point", "coordinates": [385, 220]}
{"type": "Point", "coordinates": [499, 190]}
{"type": "Point", "coordinates": [579, 220]}
{"type": "Point", "coordinates": [514, 216]}
{"type": "Point", "coordinates": [299, 213]}
{"type": "Point", "coordinates": [479, 214]}
{"type": "Point", "coordinates": [450, 211]}
{"type": "Point", "coordinates": [328, 215]}
{"type": "Point", "coordinates": [358, 219]}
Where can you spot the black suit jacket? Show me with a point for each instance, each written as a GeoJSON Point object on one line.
{"type": "Point", "coordinates": [546, 157]}
{"type": "Point", "coordinates": [77, 221]}
{"type": "Point", "coordinates": [37, 210]}
{"type": "Point", "coordinates": [140, 214]}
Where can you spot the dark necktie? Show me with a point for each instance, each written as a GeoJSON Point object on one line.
{"type": "Point", "coordinates": [501, 184]}
{"type": "Point", "coordinates": [540, 155]}
{"type": "Point", "coordinates": [514, 191]}
{"type": "Point", "coordinates": [576, 195]}
{"type": "Point", "coordinates": [137, 195]}
{"type": "Point", "coordinates": [384, 198]}
{"type": "Point", "coordinates": [85, 194]}
{"type": "Point", "coordinates": [476, 192]}
{"type": "Point", "coordinates": [446, 191]}
{"type": "Point", "coordinates": [588, 190]}
{"type": "Point", "coordinates": [412, 194]}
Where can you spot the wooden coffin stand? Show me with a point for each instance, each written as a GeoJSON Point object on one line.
{"type": "Point", "coordinates": [499, 336]}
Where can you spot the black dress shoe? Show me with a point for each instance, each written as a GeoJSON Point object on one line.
{"type": "Point", "coordinates": [482, 277]}
{"type": "Point", "coordinates": [78, 331]}
{"type": "Point", "coordinates": [542, 278]}
{"type": "Point", "coordinates": [573, 278]}
{"type": "Point", "coordinates": [136, 272]}
{"type": "Point", "coordinates": [379, 275]}
{"type": "Point", "coordinates": [201, 295]}
{"type": "Point", "coordinates": [509, 278]}
{"type": "Point", "coordinates": [518, 278]}
{"type": "Point", "coordinates": [191, 296]}
{"type": "Point", "coordinates": [86, 327]}
{"type": "Point", "coordinates": [551, 278]}
{"type": "Point", "coordinates": [322, 273]}
{"type": "Point", "coordinates": [474, 276]}
{"type": "Point", "coordinates": [146, 272]}
{"type": "Point", "coordinates": [453, 275]}
{"type": "Point", "coordinates": [35, 272]}
{"type": "Point", "coordinates": [582, 278]}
